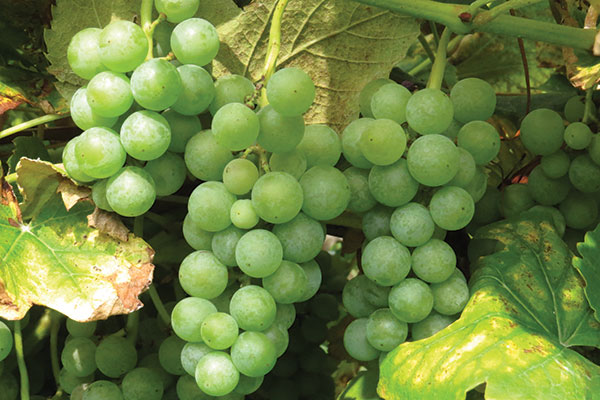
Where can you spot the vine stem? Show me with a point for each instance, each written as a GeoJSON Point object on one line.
{"type": "Point", "coordinates": [439, 65]}
{"type": "Point", "coordinates": [31, 123]}
{"type": "Point", "coordinates": [21, 361]}
{"type": "Point", "coordinates": [272, 49]}
{"type": "Point", "coordinates": [588, 113]}
{"type": "Point", "coordinates": [495, 12]}
{"type": "Point", "coordinates": [158, 304]}
{"type": "Point", "coordinates": [148, 25]}
{"type": "Point", "coordinates": [54, 328]}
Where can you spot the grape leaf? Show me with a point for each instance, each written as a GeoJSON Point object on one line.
{"type": "Point", "coordinates": [56, 260]}
{"type": "Point", "coordinates": [27, 146]}
{"type": "Point", "coordinates": [528, 307]}
{"type": "Point", "coordinates": [362, 387]}
{"type": "Point", "coordinates": [10, 98]}
{"type": "Point", "coordinates": [589, 268]}
{"type": "Point", "coordinates": [341, 44]}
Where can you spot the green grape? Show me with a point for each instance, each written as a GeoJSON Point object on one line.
{"type": "Point", "coordinates": [177, 10]}
{"type": "Point", "coordinates": [547, 191]}
{"type": "Point", "coordinates": [205, 158]}
{"type": "Point", "coordinates": [195, 41]}
{"type": "Point", "coordinates": [279, 133]}
{"type": "Point", "coordinates": [168, 173]}
{"type": "Point", "coordinates": [115, 356]}
{"type": "Point", "coordinates": [433, 160]}
{"type": "Point", "coordinates": [477, 186]}
{"type": "Point", "coordinates": [429, 111]}
{"type": "Point", "coordinates": [574, 109]}
{"type": "Point", "coordinates": [122, 46]}
{"type": "Point", "coordinates": [411, 300]}
{"type": "Point", "coordinates": [473, 100]}
{"type": "Point", "coordinates": [487, 210]}
{"type": "Point", "coordinates": [191, 354]}
{"type": "Point", "coordinates": [235, 126]}
{"type": "Point", "coordinates": [320, 145]}
{"type": "Point", "coordinates": [248, 385]}
{"type": "Point", "coordinates": [578, 136]}
{"type": "Point", "coordinates": [579, 209]}
{"type": "Point", "coordinates": [301, 238]}
{"type": "Point", "coordinates": [240, 175]}
{"type": "Point", "coordinates": [481, 140]}
{"type": "Point", "coordinates": [131, 191]}
{"type": "Point", "coordinates": [102, 390]}
{"type": "Point", "coordinates": [324, 306]}
{"type": "Point", "coordinates": [109, 94]}
{"type": "Point", "coordinates": [196, 237]}
{"type": "Point", "coordinates": [412, 225]}
{"type": "Point", "coordinates": [376, 222]}
{"type": "Point", "coordinates": [188, 315]}
{"type": "Point", "coordinates": [326, 192]}
{"type": "Point", "coordinates": [389, 101]}
{"type": "Point", "coordinates": [434, 261]}
{"type": "Point", "coordinates": [202, 275]}
{"type": "Point", "coordinates": [80, 329]}
{"type": "Point", "coordinates": [361, 199]}
{"type": "Point", "coordinates": [383, 142]}
{"type": "Point", "coordinates": [183, 127]}
{"type": "Point", "coordinates": [219, 330]}
{"type": "Point", "coordinates": [142, 384]}
{"type": "Point", "coordinates": [258, 253]}
{"type": "Point", "coordinates": [515, 199]}
{"type": "Point", "coordinates": [187, 389]}
{"type": "Point", "coordinates": [452, 131]}
{"type": "Point", "coordinates": [279, 336]}
{"type": "Point", "coordinates": [584, 174]}
{"type": "Point", "coordinates": [314, 276]}
{"type": "Point", "coordinates": [156, 84]}
{"type": "Point", "coordinates": [430, 326]}
{"type": "Point", "coordinates": [466, 169]}
{"type": "Point", "coordinates": [243, 215]}
{"type": "Point", "coordinates": [553, 215]}
{"type": "Point", "coordinates": [375, 294]}
{"type": "Point", "coordinates": [253, 354]}
{"type": "Point", "coordinates": [290, 91]}
{"type": "Point", "coordinates": [209, 206]}
{"type": "Point", "coordinates": [293, 162]}
{"type": "Point", "coordinates": [384, 331]}
{"type": "Point", "coordinates": [99, 195]}
{"type": "Point", "coordinates": [393, 185]}
{"type": "Point", "coordinates": [77, 356]}
{"type": "Point", "coordinates": [68, 381]}
{"type": "Point", "coordinates": [198, 90]}
{"type": "Point", "coordinates": [285, 315]}
{"type": "Point", "coordinates": [231, 89]}
{"type": "Point", "coordinates": [224, 243]}
{"type": "Point", "coordinates": [145, 135]}
{"type": "Point", "coordinates": [556, 164]}
{"type": "Point", "coordinates": [351, 138]}
{"type": "Point", "coordinates": [287, 284]}
{"type": "Point", "coordinates": [216, 374]}
{"type": "Point", "coordinates": [366, 97]}
{"type": "Point", "coordinates": [356, 342]}
{"type": "Point", "coordinates": [385, 261]}
{"type": "Point", "coordinates": [542, 131]}
{"type": "Point", "coordinates": [169, 355]}
{"type": "Point", "coordinates": [450, 296]}
{"type": "Point", "coordinates": [99, 152]}
{"type": "Point", "coordinates": [253, 308]}
{"type": "Point", "coordinates": [594, 149]}
{"type": "Point", "coordinates": [277, 197]}
{"type": "Point", "coordinates": [451, 208]}
{"type": "Point", "coordinates": [83, 54]}
{"type": "Point", "coordinates": [353, 297]}
{"type": "Point", "coordinates": [152, 361]}
{"type": "Point", "coordinates": [83, 115]}
{"type": "Point", "coordinates": [71, 164]}
{"type": "Point", "coordinates": [9, 386]}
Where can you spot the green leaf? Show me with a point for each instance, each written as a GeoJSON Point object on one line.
{"type": "Point", "coordinates": [341, 44]}
{"type": "Point", "coordinates": [589, 268]}
{"type": "Point", "coordinates": [56, 260]}
{"type": "Point", "coordinates": [27, 146]}
{"type": "Point", "coordinates": [528, 307]}
{"type": "Point", "coordinates": [362, 387]}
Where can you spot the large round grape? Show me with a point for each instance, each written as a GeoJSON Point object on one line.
{"type": "Point", "coordinates": [277, 197]}
{"type": "Point", "coordinates": [466, 170]}
{"type": "Point", "coordinates": [393, 185]}
{"type": "Point", "coordinates": [123, 46]}
{"type": "Point", "coordinates": [183, 127]}
{"type": "Point", "coordinates": [452, 208]}
{"type": "Point", "coordinates": [547, 191]}
{"type": "Point", "coordinates": [109, 94]}
{"type": "Point", "coordinates": [412, 225]}
{"type": "Point", "coordinates": [258, 253]}
{"type": "Point", "coordinates": [326, 192]}
{"type": "Point", "coordinates": [578, 136]}
{"type": "Point", "coordinates": [433, 160]}
{"type": "Point", "coordinates": [351, 137]}
{"type": "Point", "coordinates": [83, 115]}
{"type": "Point", "coordinates": [131, 191]}
{"type": "Point", "coordinates": [253, 308]}
{"type": "Point", "coordinates": [516, 198]}
{"type": "Point", "coordinates": [361, 199]}
{"type": "Point", "coordinates": [188, 314]}
{"type": "Point", "coordinates": [201, 274]}
{"type": "Point", "coordinates": [389, 101]}
{"type": "Point", "coordinates": [429, 111]}
{"type": "Point", "coordinates": [71, 164]}
{"type": "Point", "coordinates": [290, 91]}
{"type": "Point", "coordinates": [177, 10]}
{"type": "Point", "coordinates": [556, 164]}
{"type": "Point", "coordinates": [197, 238]}
{"type": "Point", "coordinates": [99, 195]}
{"type": "Point", "coordinates": [142, 383]}
{"type": "Point", "coordinates": [430, 326]}
{"type": "Point", "coordinates": [411, 300]}
{"type": "Point", "coordinates": [115, 356]}
{"type": "Point", "coordinates": [99, 152]}
{"type": "Point", "coordinates": [385, 261]}
{"type": "Point", "coordinates": [253, 354]}
{"type": "Point", "coordinates": [542, 131]}
{"type": "Point", "coordinates": [195, 41]}
{"type": "Point", "coordinates": [235, 126]}
{"type": "Point", "coordinates": [216, 375]}
{"type": "Point", "coordinates": [384, 331]}
{"type": "Point", "coordinates": [293, 162]}
{"type": "Point", "coordinates": [231, 89]}
{"type": "Point", "coordinates": [209, 206]}
{"type": "Point", "coordinates": [83, 53]}
{"type": "Point", "coordinates": [473, 99]}
{"type": "Point", "coordinates": [198, 90]}
{"type": "Point", "coordinates": [320, 145]}
{"type": "Point", "coordinates": [224, 243]}
{"type": "Point", "coordinates": [584, 174]}
{"type": "Point", "coordinates": [354, 297]}
{"type": "Point", "coordinates": [168, 172]}
{"type": "Point", "coordinates": [356, 342]}
{"type": "Point", "coordinates": [243, 215]}
{"type": "Point", "coordinates": [145, 135]}
{"type": "Point", "coordinates": [376, 222]}
{"type": "Point", "coordinates": [451, 295]}
{"type": "Point", "coordinates": [102, 390]}
{"type": "Point", "coordinates": [205, 158]}
{"type": "Point", "coordinates": [580, 210]}
{"type": "Point", "coordinates": [78, 356]}
{"type": "Point", "coordinates": [279, 133]}
{"type": "Point", "coordinates": [383, 142]}
{"type": "Point", "coordinates": [156, 84]}
{"type": "Point", "coordinates": [287, 284]}
{"type": "Point", "coordinates": [434, 261]}
{"type": "Point", "coordinates": [219, 330]}
{"type": "Point", "coordinates": [366, 95]}
{"type": "Point", "coordinates": [481, 140]}
{"type": "Point", "coordinates": [169, 355]}
{"type": "Point", "coordinates": [301, 238]}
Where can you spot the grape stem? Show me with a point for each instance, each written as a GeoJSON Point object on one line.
{"type": "Point", "coordinates": [31, 123]}
{"type": "Point", "coordinates": [54, 329]}
{"type": "Point", "coordinates": [158, 304]}
{"type": "Point", "coordinates": [452, 45]}
{"type": "Point", "coordinates": [21, 361]}
{"type": "Point", "coordinates": [503, 8]}
{"type": "Point", "coordinates": [148, 25]}
{"type": "Point", "coordinates": [262, 156]}
{"type": "Point", "coordinates": [588, 113]}
{"type": "Point", "coordinates": [426, 47]}
{"type": "Point", "coordinates": [439, 65]}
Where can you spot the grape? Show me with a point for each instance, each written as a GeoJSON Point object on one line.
{"type": "Point", "coordinates": [574, 109]}
{"type": "Point", "coordinates": [389, 101]}
{"type": "Point", "coordinates": [168, 173]}
{"type": "Point", "coordinates": [287, 284]}
{"type": "Point", "coordinates": [290, 91]}
{"type": "Point", "coordinates": [209, 206]}
{"type": "Point", "coordinates": [385, 261]}
{"type": "Point", "coordinates": [231, 89]}
{"type": "Point", "coordinates": [412, 224]}
{"type": "Point", "coordinates": [542, 131]}
{"type": "Point", "coordinates": [487, 209]}
{"type": "Point", "coordinates": [195, 41]}
{"type": "Point", "coordinates": [383, 142]}
{"type": "Point", "coordinates": [452, 131]}
{"type": "Point", "coordinates": [188, 315]}
{"type": "Point", "coordinates": [196, 237]}
{"type": "Point", "coordinates": [187, 389]}
{"type": "Point", "coordinates": [579, 209]}
{"type": "Point", "coordinates": [376, 222]}
{"type": "Point", "coordinates": [277, 197]}
{"type": "Point", "coordinates": [478, 185]}
{"type": "Point", "coordinates": [384, 331]}
{"type": "Point", "coordinates": [411, 300]}
{"type": "Point", "coordinates": [219, 330]}
{"type": "Point", "coordinates": [314, 276]}
{"type": "Point", "coordinates": [235, 126]}
{"type": "Point", "coordinates": [177, 10]}
{"type": "Point", "coordinates": [253, 354]}
{"type": "Point", "coordinates": [253, 308]}
{"type": "Point", "coordinates": [351, 138]}
{"type": "Point", "coordinates": [109, 94]}
{"type": "Point", "coordinates": [293, 162]}
{"type": "Point", "coordinates": [191, 354]}
{"type": "Point", "coordinates": [326, 192]}
{"type": "Point", "coordinates": [594, 149]}
{"type": "Point", "coordinates": [248, 385]}
{"type": "Point", "coordinates": [366, 96]}
{"type": "Point", "coordinates": [71, 164]}
{"type": "Point", "coordinates": [169, 355]}
{"type": "Point", "coordinates": [183, 127]}
{"type": "Point", "coordinates": [131, 191]}
{"type": "Point", "coordinates": [202, 275]}
{"type": "Point", "coordinates": [473, 99]}
{"type": "Point", "coordinates": [376, 295]}
{"type": "Point", "coordinates": [451, 208]}
{"type": "Point", "coordinates": [450, 296]}
{"type": "Point", "coordinates": [122, 46]}
{"type": "Point", "coordinates": [353, 297]}
{"type": "Point", "coordinates": [393, 185]}
{"type": "Point", "coordinates": [481, 140]}
{"type": "Point", "coordinates": [434, 261]}
{"type": "Point", "coordinates": [243, 215]}
{"type": "Point", "coordinates": [156, 84]}
{"type": "Point", "coordinates": [224, 243]}
{"type": "Point", "coordinates": [356, 343]}
{"type": "Point", "coordinates": [216, 374]}
{"type": "Point", "coordinates": [102, 390]}
{"type": "Point", "coordinates": [553, 215]}
{"type": "Point", "coordinates": [556, 164]}
{"type": "Point", "coordinates": [466, 169]}
{"type": "Point", "coordinates": [258, 253]}
{"type": "Point", "coordinates": [99, 152]}
{"type": "Point", "coordinates": [99, 195]}
{"type": "Point", "coordinates": [205, 158]}
{"type": "Point", "coordinates": [83, 53]}
{"type": "Point", "coordinates": [145, 135]}
{"type": "Point", "coordinates": [279, 133]}
{"type": "Point", "coordinates": [115, 356]}
{"type": "Point", "coordinates": [361, 199]}
{"type": "Point", "coordinates": [240, 175]}
{"type": "Point", "coordinates": [68, 381]}
{"type": "Point", "coordinates": [515, 199]}
{"type": "Point", "coordinates": [429, 111]}
{"type": "Point", "coordinates": [285, 315]}
{"type": "Point", "coordinates": [142, 384]}
{"type": "Point", "coordinates": [584, 174]}
{"type": "Point", "coordinates": [80, 329]}
{"type": "Point", "coordinates": [198, 90]}
{"type": "Point", "coordinates": [578, 136]}
{"type": "Point", "coordinates": [82, 113]}
{"type": "Point", "coordinates": [152, 361]}
{"type": "Point", "coordinates": [9, 385]}
{"type": "Point", "coordinates": [433, 160]}
{"type": "Point", "coordinates": [301, 238]}
{"type": "Point", "coordinates": [547, 191]}
{"type": "Point", "coordinates": [77, 356]}
{"type": "Point", "coordinates": [320, 145]}
{"type": "Point", "coordinates": [430, 326]}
